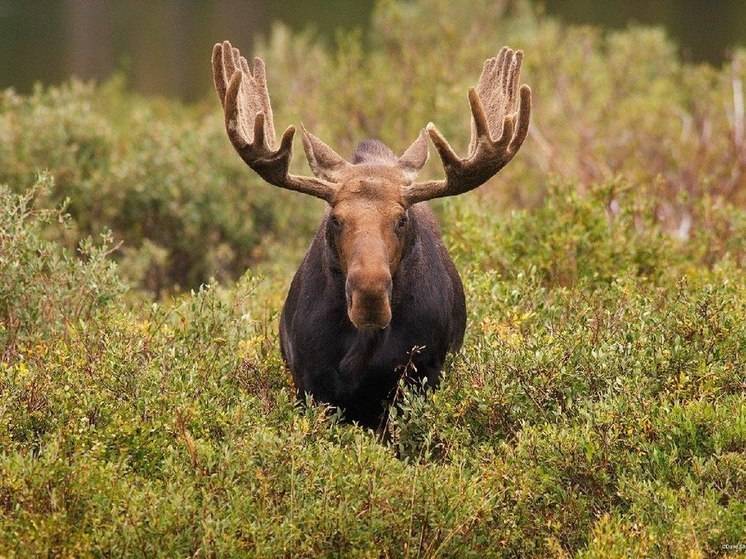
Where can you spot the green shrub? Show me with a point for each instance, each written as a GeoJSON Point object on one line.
{"type": "Point", "coordinates": [600, 415]}
{"type": "Point", "coordinates": [160, 177]}
{"type": "Point", "coordinates": [44, 288]}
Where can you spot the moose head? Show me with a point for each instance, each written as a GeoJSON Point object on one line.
{"type": "Point", "coordinates": [370, 197]}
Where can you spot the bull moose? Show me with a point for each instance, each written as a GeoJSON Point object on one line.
{"type": "Point", "coordinates": [377, 280]}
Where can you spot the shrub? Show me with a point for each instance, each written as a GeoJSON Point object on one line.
{"type": "Point", "coordinates": [160, 177]}
{"type": "Point", "coordinates": [44, 288]}
{"type": "Point", "coordinates": [580, 413]}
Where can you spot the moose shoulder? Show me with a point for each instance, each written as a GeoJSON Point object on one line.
{"type": "Point", "coordinates": [377, 280]}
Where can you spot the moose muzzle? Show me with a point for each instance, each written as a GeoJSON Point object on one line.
{"type": "Point", "coordinates": [369, 297]}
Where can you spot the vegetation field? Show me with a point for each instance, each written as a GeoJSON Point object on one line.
{"type": "Point", "coordinates": [597, 408]}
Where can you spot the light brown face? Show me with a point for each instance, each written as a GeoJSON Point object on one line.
{"type": "Point", "coordinates": [367, 227]}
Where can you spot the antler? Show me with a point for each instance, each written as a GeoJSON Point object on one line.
{"type": "Point", "coordinates": [500, 117]}
{"type": "Point", "coordinates": [248, 121]}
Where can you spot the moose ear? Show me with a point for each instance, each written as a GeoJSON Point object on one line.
{"type": "Point", "coordinates": [325, 163]}
{"type": "Point", "coordinates": [415, 157]}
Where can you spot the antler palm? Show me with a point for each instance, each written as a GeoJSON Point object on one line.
{"type": "Point", "coordinates": [500, 118]}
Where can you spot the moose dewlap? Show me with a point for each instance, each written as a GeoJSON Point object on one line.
{"type": "Point", "coordinates": [377, 280]}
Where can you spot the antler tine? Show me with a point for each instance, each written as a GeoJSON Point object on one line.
{"type": "Point", "coordinates": [243, 93]}
{"type": "Point", "coordinates": [500, 114]}
{"type": "Point", "coordinates": [218, 74]}
{"type": "Point", "coordinates": [260, 77]}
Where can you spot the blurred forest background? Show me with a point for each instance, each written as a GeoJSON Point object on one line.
{"type": "Point", "coordinates": [660, 105]}
{"type": "Point", "coordinates": [50, 40]}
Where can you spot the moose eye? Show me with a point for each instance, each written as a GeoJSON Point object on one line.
{"type": "Point", "coordinates": [402, 221]}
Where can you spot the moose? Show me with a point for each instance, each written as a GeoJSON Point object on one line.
{"type": "Point", "coordinates": [376, 290]}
